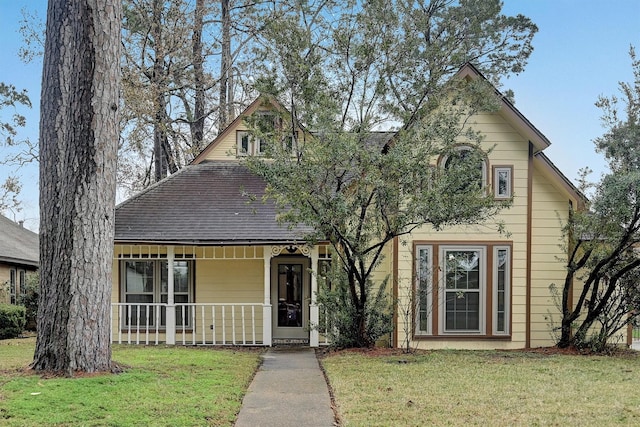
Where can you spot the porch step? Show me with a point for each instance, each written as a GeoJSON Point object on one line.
{"type": "Point", "coordinates": [290, 341]}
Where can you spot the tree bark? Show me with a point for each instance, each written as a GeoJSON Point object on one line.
{"type": "Point", "coordinates": [225, 69]}
{"type": "Point", "coordinates": [197, 126]}
{"type": "Point", "coordinates": [78, 143]}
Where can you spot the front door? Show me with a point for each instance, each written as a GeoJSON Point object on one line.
{"type": "Point", "coordinates": [290, 292]}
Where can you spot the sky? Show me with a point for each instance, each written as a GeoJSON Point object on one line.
{"type": "Point", "coordinates": [581, 53]}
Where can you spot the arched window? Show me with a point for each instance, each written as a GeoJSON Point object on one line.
{"type": "Point", "coordinates": [471, 161]}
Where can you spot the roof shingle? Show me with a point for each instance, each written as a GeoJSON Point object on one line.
{"type": "Point", "coordinates": [208, 203]}
{"type": "Point", "coordinates": [17, 244]}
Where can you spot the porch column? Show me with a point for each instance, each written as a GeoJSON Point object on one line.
{"type": "Point", "coordinates": [170, 331]}
{"type": "Point", "coordinates": [266, 306]}
{"type": "Point", "coordinates": [314, 312]}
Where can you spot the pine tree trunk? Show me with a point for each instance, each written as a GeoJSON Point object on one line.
{"type": "Point", "coordinates": [225, 68]}
{"type": "Point", "coordinates": [78, 147]}
{"type": "Point", "coordinates": [197, 126]}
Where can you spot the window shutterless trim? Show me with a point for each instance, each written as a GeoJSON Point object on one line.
{"type": "Point", "coordinates": [437, 249]}
{"type": "Point", "coordinates": [496, 171]}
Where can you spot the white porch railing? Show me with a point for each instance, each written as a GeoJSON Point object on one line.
{"type": "Point", "coordinates": [196, 323]}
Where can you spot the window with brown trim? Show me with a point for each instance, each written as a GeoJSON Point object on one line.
{"type": "Point", "coordinates": [502, 182]}
{"type": "Point", "coordinates": [462, 289]}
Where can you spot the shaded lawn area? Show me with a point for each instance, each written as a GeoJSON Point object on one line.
{"type": "Point", "coordinates": [160, 386]}
{"type": "Point", "coordinates": [485, 388]}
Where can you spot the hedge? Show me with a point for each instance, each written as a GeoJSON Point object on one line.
{"type": "Point", "coordinates": [12, 320]}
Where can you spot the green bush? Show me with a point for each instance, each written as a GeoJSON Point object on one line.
{"type": "Point", "coordinates": [12, 320]}
{"type": "Point", "coordinates": [339, 318]}
{"type": "Point", "coordinates": [29, 299]}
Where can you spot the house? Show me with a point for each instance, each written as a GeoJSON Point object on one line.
{"type": "Point", "coordinates": [240, 278]}
{"type": "Point", "coordinates": [19, 254]}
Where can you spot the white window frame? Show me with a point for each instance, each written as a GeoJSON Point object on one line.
{"type": "Point", "coordinates": [428, 290]}
{"type": "Point", "coordinates": [240, 135]}
{"type": "Point", "coordinates": [507, 290]}
{"type": "Point", "coordinates": [497, 171]}
{"type": "Point", "coordinates": [482, 289]}
{"type": "Point", "coordinates": [254, 145]}
{"type": "Point", "coordinates": [157, 292]}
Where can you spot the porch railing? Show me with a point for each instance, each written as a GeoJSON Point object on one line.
{"type": "Point", "coordinates": [195, 323]}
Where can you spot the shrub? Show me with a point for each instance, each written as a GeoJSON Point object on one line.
{"type": "Point", "coordinates": [12, 320]}
{"type": "Point", "coordinates": [29, 299]}
{"type": "Point", "coordinates": [339, 318]}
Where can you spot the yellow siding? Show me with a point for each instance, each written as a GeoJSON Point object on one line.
{"type": "Point", "coordinates": [226, 147]}
{"type": "Point", "coordinates": [508, 148]}
{"type": "Point", "coordinates": [550, 211]}
{"type": "Point", "coordinates": [230, 281]}
{"type": "Point", "coordinates": [4, 283]}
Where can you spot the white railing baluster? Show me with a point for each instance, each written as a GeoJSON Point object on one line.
{"type": "Point", "coordinates": [129, 327]}
{"type": "Point", "coordinates": [204, 331]}
{"type": "Point", "coordinates": [119, 325]}
{"type": "Point", "coordinates": [184, 342]}
{"type": "Point", "coordinates": [224, 327]}
{"type": "Point", "coordinates": [129, 318]}
{"type": "Point", "coordinates": [213, 323]}
{"type": "Point", "coordinates": [233, 323]}
{"type": "Point", "coordinates": [244, 331]}
{"type": "Point", "coordinates": [253, 323]}
{"type": "Point", "coordinates": [157, 313]}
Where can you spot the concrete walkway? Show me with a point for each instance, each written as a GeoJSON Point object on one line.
{"type": "Point", "coordinates": [289, 389]}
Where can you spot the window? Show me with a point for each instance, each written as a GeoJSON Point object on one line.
{"type": "Point", "coordinates": [475, 174]}
{"type": "Point", "coordinates": [422, 296]}
{"type": "Point", "coordinates": [463, 289]}
{"type": "Point", "coordinates": [12, 286]}
{"type": "Point", "coordinates": [247, 145]}
{"type": "Point", "coordinates": [467, 293]}
{"type": "Point", "coordinates": [22, 284]}
{"type": "Point", "coordinates": [502, 182]}
{"type": "Point", "coordinates": [146, 282]}
{"type": "Point", "coordinates": [501, 287]}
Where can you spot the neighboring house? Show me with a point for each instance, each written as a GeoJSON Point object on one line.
{"type": "Point", "coordinates": [19, 254]}
{"type": "Point", "coordinates": [238, 277]}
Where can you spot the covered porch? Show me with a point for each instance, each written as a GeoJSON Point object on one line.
{"type": "Point", "coordinates": [249, 295]}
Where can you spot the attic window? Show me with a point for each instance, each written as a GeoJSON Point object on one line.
{"type": "Point", "coordinates": [248, 145]}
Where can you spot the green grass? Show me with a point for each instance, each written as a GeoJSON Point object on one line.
{"type": "Point", "coordinates": [160, 386]}
{"type": "Point", "coordinates": [485, 388]}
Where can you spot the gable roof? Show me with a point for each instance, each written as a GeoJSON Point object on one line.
{"type": "Point", "coordinates": [208, 203]}
{"type": "Point", "coordinates": [549, 169]}
{"type": "Point", "coordinates": [510, 112]}
{"type": "Point", "coordinates": [17, 244]}
{"type": "Point", "coordinates": [257, 103]}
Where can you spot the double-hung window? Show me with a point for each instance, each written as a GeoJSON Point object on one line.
{"type": "Point", "coordinates": [249, 145]}
{"type": "Point", "coordinates": [145, 286]}
{"type": "Point", "coordinates": [462, 289]}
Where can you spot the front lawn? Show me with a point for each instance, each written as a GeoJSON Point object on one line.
{"type": "Point", "coordinates": [160, 386]}
{"type": "Point", "coordinates": [485, 388]}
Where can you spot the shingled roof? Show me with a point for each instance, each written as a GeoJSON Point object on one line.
{"type": "Point", "coordinates": [209, 203]}
{"type": "Point", "coordinates": [17, 244]}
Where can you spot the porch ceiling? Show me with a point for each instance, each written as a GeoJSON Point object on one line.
{"type": "Point", "coordinates": [207, 203]}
